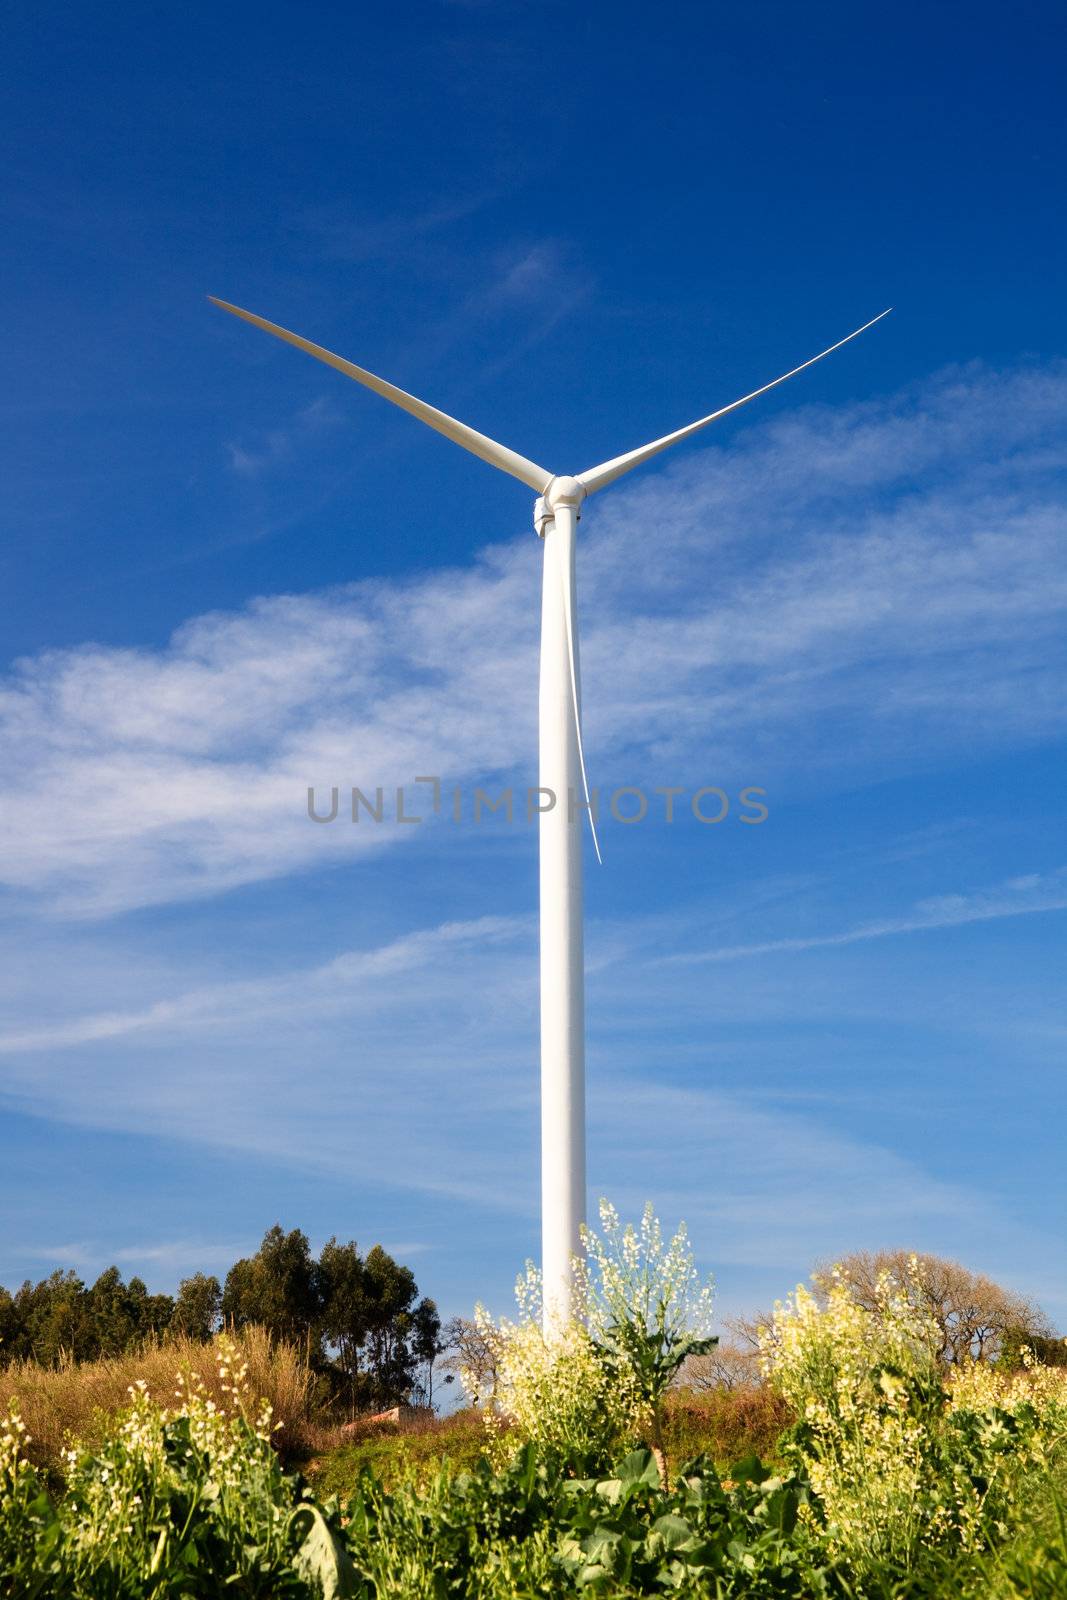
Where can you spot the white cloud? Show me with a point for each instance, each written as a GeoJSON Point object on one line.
{"type": "Point", "coordinates": [386, 1064]}
{"type": "Point", "coordinates": [377, 981]}
{"type": "Point", "coordinates": [860, 587]}
{"type": "Point", "coordinates": [354, 981]}
{"type": "Point", "coordinates": [1017, 897]}
{"type": "Point", "coordinates": [430, 1084]}
{"type": "Point", "coordinates": [255, 454]}
{"type": "Point", "coordinates": [174, 1256]}
{"type": "Point", "coordinates": [765, 1185]}
{"type": "Point", "coordinates": [410, 1066]}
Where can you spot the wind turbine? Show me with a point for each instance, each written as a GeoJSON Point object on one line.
{"type": "Point", "coordinates": [562, 764]}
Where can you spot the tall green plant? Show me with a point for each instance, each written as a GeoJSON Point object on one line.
{"type": "Point", "coordinates": [597, 1384]}
{"type": "Point", "coordinates": [906, 1468]}
{"type": "Point", "coordinates": [644, 1302]}
{"type": "Point", "coordinates": [645, 1305]}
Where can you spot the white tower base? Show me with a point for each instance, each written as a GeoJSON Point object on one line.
{"type": "Point", "coordinates": [562, 953]}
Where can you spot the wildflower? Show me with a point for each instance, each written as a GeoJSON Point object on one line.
{"type": "Point", "coordinates": [895, 1456]}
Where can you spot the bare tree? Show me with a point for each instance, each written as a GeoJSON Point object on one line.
{"type": "Point", "coordinates": [728, 1367]}
{"type": "Point", "coordinates": [974, 1315]}
{"type": "Point", "coordinates": [472, 1354]}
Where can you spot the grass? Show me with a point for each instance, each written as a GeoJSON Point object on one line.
{"type": "Point", "coordinates": [76, 1401]}
{"type": "Point", "coordinates": [725, 1425]}
{"type": "Point", "coordinates": [1033, 1565]}
{"type": "Point", "coordinates": [456, 1442]}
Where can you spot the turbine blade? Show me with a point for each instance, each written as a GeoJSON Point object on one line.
{"type": "Point", "coordinates": [599, 477]}
{"type": "Point", "coordinates": [497, 455]}
{"type": "Point", "coordinates": [572, 660]}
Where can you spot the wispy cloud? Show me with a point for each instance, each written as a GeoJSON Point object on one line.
{"type": "Point", "coordinates": [762, 1183]}
{"type": "Point", "coordinates": [372, 979]}
{"type": "Point", "coordinates": [307, 1067]}
{"type": "Point", "coordinates": [355, 981]}
{"type": "Point", "coordinates": [256, 453]}
{"type": "Point", "coordinates": [217, 1069]}
{"type": "Point", "coordinates": [1018, 897]}
{"type": "Point", "coordinates": [168, 1256]}
{"type": "Point", "coordinates": [519, 298]}
{"type": "Point", "coordinates": [796, 604]}
{"type": "Point", "coordinates": [335, 234]}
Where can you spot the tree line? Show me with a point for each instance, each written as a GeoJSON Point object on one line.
{"type": "Point", "coordinates": [359, 1319]}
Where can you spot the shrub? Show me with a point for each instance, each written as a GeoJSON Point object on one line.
{"type": "Point", "coordinates": [559, 1394]}
{"type": "Point", "coordinates": [531, 1529]}
{"type": "Point", "coordinates": [975, 1318]}
{"type": "Point", "coordinates": [452, 1444]}
{"type": "Point", "coordinates": [900, 1463]}
{"type": "Point", "coordinates": [645, 1306]}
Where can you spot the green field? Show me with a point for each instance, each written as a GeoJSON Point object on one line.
{"type": "Point", "coordinates": [858, 1455]}
{"type": "Point", "coordinates": [196, 1501]}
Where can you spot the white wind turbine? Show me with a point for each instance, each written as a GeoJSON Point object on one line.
{"type": "Point", "coordinates": [562, 766]}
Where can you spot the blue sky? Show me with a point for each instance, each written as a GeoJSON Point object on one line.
{"type": "Point", "coordinates": [231, 574]}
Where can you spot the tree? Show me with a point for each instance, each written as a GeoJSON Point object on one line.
{"type": "Point", "coordinates": [426, 1345]}
{"type": "Point", "coordinates": [1018, 1346]}
{"type": "Point", "coordinates": [277, 1288]}
{"type": "Point", "coordinates": [397, 1322]}
{"type": "Point", "coordinates": [346, 1316]}
{"type": "Point", "coordinates": [10, 1328]}
{"type": "Point", "coordinates": [474, 1349]}
{"type": "Point", "coordinates": [119, 1316]}
{"type": "Point", "coordinates": [198, 1306]}
{"type": "Point", "coordinates": [974, 1316]}
{"type": "Point", "coordinates": [54, 1320]}
{"type": "Point", "coordinates": [110, 1315]}
{"type": "Point", "coordinates": [391, 1295]}
{"type": "Point", "coordinates": [372, 1318]}
{"type": "Point", "coordinates": [151, 1314]}
{"type": "Point", "coordinates": [16, 1338]}
{"type": "Point", "coordinates": [360, 1321]}
{"type": "Point", "coordinates": [59, 1319]}
{"type": "Point", "coordinates": [727, 1368]}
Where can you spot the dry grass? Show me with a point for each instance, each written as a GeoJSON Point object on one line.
{"type": "Point", "coordinates": [414, 1456]}
{"type": "Point", "coordinates": [74, 1402]}
{"type": "Point", "coordinates": [726, 1424]}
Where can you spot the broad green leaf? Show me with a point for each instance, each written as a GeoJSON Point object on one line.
{"type": "Point", "coordinates": [673, 1530]}
{"type": "Point", "coordinates": [639, 1467]}
{"type": "Point", "coordinates": [321, 1558]}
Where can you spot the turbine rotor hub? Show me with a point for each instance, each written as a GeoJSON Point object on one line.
{"type": "Point", "coordinates": [564, 492]}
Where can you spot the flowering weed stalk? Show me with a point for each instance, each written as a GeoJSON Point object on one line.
{"type": "Point", "coordinates": [646, 1307]}
{"type": "Point", "coordinates": [557, 1393]}
{"type": "Point", "coordinates": [597, 1383]}
{"type": "Point", "coordinates": [177, 1501]}
{"type": "Point", "coordinates": [900, 1460]}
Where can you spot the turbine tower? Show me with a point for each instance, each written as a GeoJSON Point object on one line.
{"type": "Point", "coordinates": [562, 775]}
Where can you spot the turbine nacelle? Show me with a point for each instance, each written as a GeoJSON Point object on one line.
{"type": "Point", "coordinates": [559, 491]}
